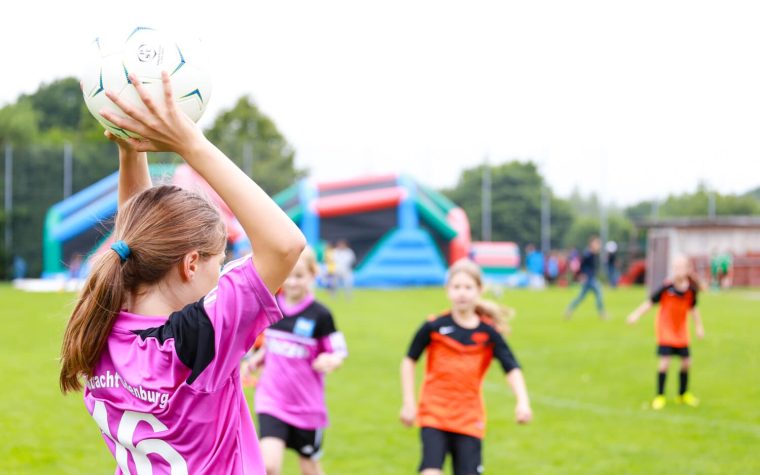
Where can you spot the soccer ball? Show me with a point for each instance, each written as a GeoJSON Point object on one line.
{"type": "Point", "coordinates": [145, 52]}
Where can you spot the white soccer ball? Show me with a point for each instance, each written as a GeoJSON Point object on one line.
{"type": "Point", "coordinates": [145, 52]}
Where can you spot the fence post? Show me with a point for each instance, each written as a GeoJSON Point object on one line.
{"type": "Point", "coordinates": [8, 207]}
{"type": "Point", "coordinates": [67, 169]}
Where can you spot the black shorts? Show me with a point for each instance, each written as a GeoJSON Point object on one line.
{"type": "Point", "coordinates": [664, 350]}
{"type": "Point", "coordinates": [465, 450]}
{"type": "Point", "coordinates": [307, 442]}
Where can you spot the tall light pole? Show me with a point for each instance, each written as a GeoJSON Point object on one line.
{"type": "Point", "coordinates": [546, 217]}
{"type": "Point", "coordinates": [603, 221]}
{"type": "Point", "coordinates": [485, 221]}
{"type": "Point", "coordinates": [67, 169]}
{"type": "Point", "coordinates": [711, 204]}
{"type": "Point", "coordinates": [248, 158]}
{"type": "Point", "coordinates": [8, 197]}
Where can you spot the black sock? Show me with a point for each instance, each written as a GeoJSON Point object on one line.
{"type": "Point", "coordinates": [684, 380]}
{"type": "Point", "coordinates": [661, 383]}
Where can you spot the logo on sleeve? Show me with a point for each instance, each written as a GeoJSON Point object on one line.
{"type": "Point", "coordinates": [304, 327]}
{"type": "Point", "coordinates": [479, 337]}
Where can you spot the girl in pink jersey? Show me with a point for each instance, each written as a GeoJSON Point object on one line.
{"type": "Point", "coordinates": [298, 351]}
{"type": "Point", "coordinates": [157, 334]}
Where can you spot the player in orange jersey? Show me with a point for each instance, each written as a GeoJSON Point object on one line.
{"type": "Point", "coordinates": [677, 298]}
{"type": "Point", "coordinates": [461, 344]}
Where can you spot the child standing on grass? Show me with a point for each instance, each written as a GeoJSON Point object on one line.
{"type": "Point", "coordinates": [158, 332]}
{"type": "Point", "coordinates": [677, 298]}
{"type": "Point", "coordinates": [298, 351]}
{"type": "Point", "coordinates": [461, 344]}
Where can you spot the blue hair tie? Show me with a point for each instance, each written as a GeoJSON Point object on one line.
{"type": "Point", "coordinates": [121, 248]}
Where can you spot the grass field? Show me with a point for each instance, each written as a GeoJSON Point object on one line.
{"type": "Point", "coordinates": [590, 382]}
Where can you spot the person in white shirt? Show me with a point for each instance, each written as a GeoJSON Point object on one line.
{"type": "Point", "coordinates": [344, 259]}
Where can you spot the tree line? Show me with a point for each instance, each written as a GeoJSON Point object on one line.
{"type": "Point", "coordinates": [39, 125]}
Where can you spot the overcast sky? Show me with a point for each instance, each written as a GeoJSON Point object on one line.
{"type": "Point", "coordinates": [632, 100]}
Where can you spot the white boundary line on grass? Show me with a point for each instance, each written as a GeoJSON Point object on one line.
{"type": "Point", "coordinates": [753, 429]}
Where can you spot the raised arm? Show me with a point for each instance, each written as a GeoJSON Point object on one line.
{"type": "Point", "coordinates": [277, 242]}
{"type": "Point", "coordinates": [134, 175]}
{"type": "Point", "coordinates": [516, 381]}
{"type": "Point", "coordinates": [640, 310]}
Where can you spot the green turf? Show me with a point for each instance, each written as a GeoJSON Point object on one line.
{"type": "Point", "coordinates": [590, 382]}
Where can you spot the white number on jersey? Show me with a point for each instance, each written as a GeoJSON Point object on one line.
{"type": "Point", "coordinates": [139, 452]}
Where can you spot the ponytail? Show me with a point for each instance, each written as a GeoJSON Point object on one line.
{"type": "Point", "coordinates": [157, 228]}
{"type": "Point", "coordinates": [90, 324]}
{"type": "Point", "coordinates": [495, 315]}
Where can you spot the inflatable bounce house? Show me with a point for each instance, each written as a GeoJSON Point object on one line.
{"type": "Point", "coordinates": [80, 226]}
{"type": "Point", "coordinates": [402, 232]}
{"type": "Point", "coordinates": [500, 262]}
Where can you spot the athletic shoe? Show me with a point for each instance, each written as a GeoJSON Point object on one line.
{"type": "Point", "coordinates": [658, 403]}
{"type": "Point", "coordinates": [687, 398]}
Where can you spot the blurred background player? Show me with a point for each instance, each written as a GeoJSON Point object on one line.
{"type": "Point", "coordinates": [298, 351]}
{"type": "Point", "coordinates": [588, 268]}
{"type": "Point", "coordinates": [329, 261]}
{"type": "Point", "coordinates": [157, 334]}
{"type": "Point", "coordinates": [677, 298]}
{"type": "Point", "coordinates": [612, 276]}
{"type": "Point", "coordinates": [344, 264]}
{"type": "Point", "coordinates": [461, 344]}
{"type": "Point", "coordinates": [534, 265]}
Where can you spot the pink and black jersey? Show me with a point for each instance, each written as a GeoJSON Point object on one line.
{"type": "Point", "coordinates": [166, 392]}
{"type": "Point", "coordinates": [289, 388]}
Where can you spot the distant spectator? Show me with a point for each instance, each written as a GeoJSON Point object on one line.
{"type": "Point", "coordinates": [552, 268]}
{"type": "Point", "coordinates": [75, 267]}
{"type": "Point", "coordinates": [329, 258]}
{"type": "Point", "coordinates": [344, 262]}
{"type": "Point", "coordinates": [588, 269]}
{"type": "Point", "coordinates": [612, 248]}
{"type": "Point", "coordinates": [721, 270]}
{"type": "Point", "coordinates": [573, 264]}
{"type": "Point", "coordinates": [534, 264]}
{"type": "Point", "coordinates": [19, 267]}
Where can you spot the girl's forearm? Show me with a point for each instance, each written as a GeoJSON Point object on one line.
{"type": "Point", "coordinates": [407, 381]}
{"type": "Point", "coordinates": [640, 311]}
{"type": "Point", "coordinates": [516, 381]}
{"type": "Point", "coordinates": [276, 240]}
{"type": "Point", "coordinates": [134, 174]}
{"type": "Point", "coordinates": [697, 317]}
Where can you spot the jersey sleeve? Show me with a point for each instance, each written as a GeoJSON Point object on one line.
{"type": "Point", "coordinates": [503, 353]}
{"type": "Point", "coordinates": [329, 339]}
{"type": "Point", "coordinates": [238, 309]}
{"type": "Point", "coordinates": [420, 342]}
{"type": "Point", "coordinates": [657, 295]}
{"type": "Point", "coordinates": [694, 292]}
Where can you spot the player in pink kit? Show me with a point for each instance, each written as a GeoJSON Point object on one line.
{"type": "Point", "coordinates": [298, 351]}
{"type": "Point", "coordinates": [157, 334]}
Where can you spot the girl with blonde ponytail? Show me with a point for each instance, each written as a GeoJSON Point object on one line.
{"type": "Point", "coordinates": [158, 331]}
{"type": "Point", "coordinates": [461, 345]}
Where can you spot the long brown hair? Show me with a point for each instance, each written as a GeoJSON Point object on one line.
{"type": "Point", "coordinates": [160, 225]}
{"type": "Point", "coordinates": [493, 312]}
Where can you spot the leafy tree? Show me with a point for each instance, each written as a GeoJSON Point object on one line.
{"type": "Point", "coordinates": [18, 123]}
{"type": "Point", "coordinates": [516, 203]}
{"type": "Point", "coordinates": [39, 124]}
{"type": "Point", "coordinates": [619, 229]}
{"type": "Point", "coordinates": [59, 104]}
{"type": "Point", "coordinates": [273, 159]}
{"type": "Point", "coordinates": [696, 204]}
